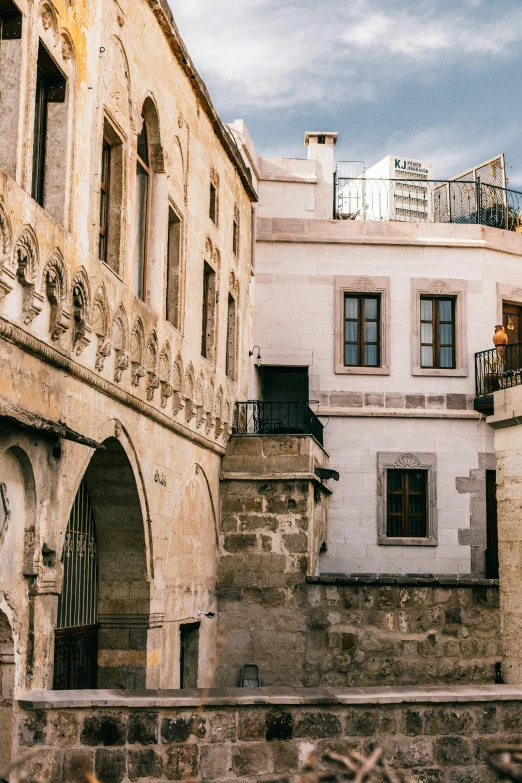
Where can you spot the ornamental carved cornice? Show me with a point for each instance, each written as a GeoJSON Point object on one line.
{"type": "Point", "coordinates": [34, 346]}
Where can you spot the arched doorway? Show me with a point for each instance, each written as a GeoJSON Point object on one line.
{"type": "Point", "coordinates": [112, 589]}
{"type": "Point", "coordinates": [7, 676]}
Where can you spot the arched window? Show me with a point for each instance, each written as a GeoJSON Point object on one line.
{"type": "Point", "coordinates": [76, 635]}
{"type": "Point", "coordinates": [141, 210]}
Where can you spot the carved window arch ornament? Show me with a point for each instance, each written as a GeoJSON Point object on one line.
{"type": "Point", "coordinates": [26, 269]}
{"type": "Point", "coordinates": [55, 284]}
{"type": "Point", "coordinates": [189, 393]}
{"type": "Point", "coordinates": [199, 399]}
{"type": "Point", "coordinates": [151, 116]}
{"type": "Point", "coordinates": [414, 461]}
{"type": "Point", "coordinates": [101, 320]}
{"type": "Point", "coordinates": [218, 412]}
{"type": "Point", "coordinates": [81, 305]}
{"type": "Point", "coordinates": [137, 351]}
{"type": "Point", "coordinates": [361, 284]}
{"type": "Point", "coordinates": [177, 386]}
{"type": "Point", "coordinates": [457, 289]}
{"type": "Point", "coordinates": [208, 407]}
{"type": "Point", "coordinates": [164, 365]}
{"type": "Point", "coordinates": [120, 343]}
{"type": "Point", "coordinates": [151, 365]}
{"type": "Point", "coordinates": [7, 275]}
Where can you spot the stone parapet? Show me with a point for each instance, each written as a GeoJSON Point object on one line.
{"type": "Point", "coordinates": [438, 733]}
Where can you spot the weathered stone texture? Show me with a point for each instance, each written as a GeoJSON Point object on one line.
{"type": "Point", "coordinates": [435, 741]}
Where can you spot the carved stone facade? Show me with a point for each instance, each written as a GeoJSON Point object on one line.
{"type": "Point", "coordinates": [98, 389]}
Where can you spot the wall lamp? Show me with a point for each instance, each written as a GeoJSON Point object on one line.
{"type": "Point", "coordinates": [251, 353]}
{"type": "Point", "coordinates": [210, 616]}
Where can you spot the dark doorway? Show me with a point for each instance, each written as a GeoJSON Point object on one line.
{"type": "Point", "coordinates": [284, 384]}
{"type": "Point", "coordinates": [189, 656]}
{"type": "Point", "coordinates": [491, 525]}
{"type": "Point", "coordinates": [512, 320]}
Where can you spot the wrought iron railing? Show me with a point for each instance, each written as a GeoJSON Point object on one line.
{"type": "Point", "coordinates": [427, 201]}
{"type": "Point", "coordinates": [257, 417]}
{"type": "Point", "coordinates": [498, 368]}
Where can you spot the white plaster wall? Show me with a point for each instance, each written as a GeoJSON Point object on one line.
{"type": "Point", "coordinates": [295, 313]}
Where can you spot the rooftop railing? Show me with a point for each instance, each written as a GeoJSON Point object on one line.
{"type": "Point", "coordinates": [498, 369]}
{"type": "Point", "coordinates": [257, 417]}
{"type": "Point", "coordinates": [427, 201]}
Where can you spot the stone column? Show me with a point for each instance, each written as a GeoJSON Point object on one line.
{"type": "Point", "coordinates": [507, 422]}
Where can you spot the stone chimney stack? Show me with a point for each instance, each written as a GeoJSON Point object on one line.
{"type": "Point", "coordinates": [321, 148]}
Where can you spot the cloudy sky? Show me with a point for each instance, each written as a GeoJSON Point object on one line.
{"type": "Point", "coordinates": [438, 80]}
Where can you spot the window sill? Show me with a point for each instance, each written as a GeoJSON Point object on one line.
{"type": "Point", "coordinates": [208, 361]}
{"type": "Point", "coordinates": [392, 541]}
{"type": "Point", "coordinates": [174, 328]}
{"type": "Point", "coordinates": [112, 271]}
{"type": "Point", "coordinates": [458, 372]}
{"type": "Point", "coordinates": [341, 369]}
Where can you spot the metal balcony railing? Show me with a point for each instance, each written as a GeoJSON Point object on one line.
{"type": "Point", "coordinates": [427, 201]}
{"type": "Point", "coordinates": [498, 369]}
{"type": "Point", "coordinates": [257, 417]}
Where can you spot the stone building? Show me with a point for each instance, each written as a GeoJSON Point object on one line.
{"type": "Point", "coordinates": [125, 324]}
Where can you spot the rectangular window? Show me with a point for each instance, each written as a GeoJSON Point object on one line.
{"type": "Point", "coordinates": [406, 512]}
{"type": "Point", "coordinates": [437, 326]}
{"type": "Point", "coordinates": [208, 312]}
{"type": "Point", "coordinates": [189, 656]}
{"type": "Point", "coordinates": [141, 218]}
{"type": "Point", "coordinates": [213, 203]}
{"type": "Point", "coordinates": [173, 269]}
{"type": "Point", "coordinates": [50, 88]}
{"type": "Point", "coordinates": [231, 338]}
{"type": "Point", "coordinates": [362, 331]}
{"type": "Point", "coordinates": [104, 200]}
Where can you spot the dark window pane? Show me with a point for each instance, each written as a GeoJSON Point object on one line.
{"type": "Point", "coordinates": [446, 357]}
{"type": "Point", "coordinates": [370, 309]}
{"type": "Point", "coordinates": [426, 309]}
{"type": "Point", "coordinates": [445, 309]}
{"type": "Point", "coordinates": [446, 334]}
{"type": "Point", "coordinates": [351, 331]}
{"type": "Point", "coordinates": [416, 481]}
{"type": "Point", "coordinates": [351, 307]}
{"type": "Point", "coordinates": [394, 481]}
{"type": "Point", "coordinates": [370, 332]}
{"type": "Point", "coordinates": [370, 355]}
{"type": "Point", "coordinates": [426, 333]}
{"type": "Point", "coordinates": [350, 355]}
{"type": "Point", "coordinates": [426, 356]}
{"type": "Point", "coordinates": [143, 147]}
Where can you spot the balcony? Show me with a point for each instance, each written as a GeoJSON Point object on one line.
{"type": "Point", "coordinates": [427, 201]}
{"type": "Point", "coordinates": [257, 417]}
{"type": "Point", "coordinates": [496, 369]}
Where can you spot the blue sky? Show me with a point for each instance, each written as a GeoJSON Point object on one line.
{"type": "Point", "coordinates": [438, 80]}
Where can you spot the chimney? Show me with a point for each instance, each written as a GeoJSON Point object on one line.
{"type": "Point", "coordinates": [321, 149]}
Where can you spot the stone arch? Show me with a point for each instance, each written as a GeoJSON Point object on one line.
{"type": "Point", "coordinates": [7, 685]}
{"type": "Point", "coordinates": [227, 412]}
{"type": "Point", "coordinates": [101, 319]}
{"type": "Point", "coordinates": [123, 550]}
{"type": "Point", "coordinates": [208, 406]}
{"type": "Point", "coordinates": [25, 266]}
{"type": "Point", "coordinates": [48, 17]}
{"type": "Point", "coordinates": [81, 306]}
{"type": "Point", "coordinates": [137, 351]}
{"type": "Point", "coordinates": [117, 82]}
{"type": "Point", "coordinates": [6, 235]}
{"type": "Point", "coordinates": [151, 116]}
{"type": "Point", "coordinates": [190, 559]}
{"type": "Point", "coordinates": [120, 342]}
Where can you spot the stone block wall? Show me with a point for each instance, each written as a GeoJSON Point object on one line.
{"type": "Point", "coordinates": [440, 734]}
{"type": "Point", "coordinates": [354, 631]}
